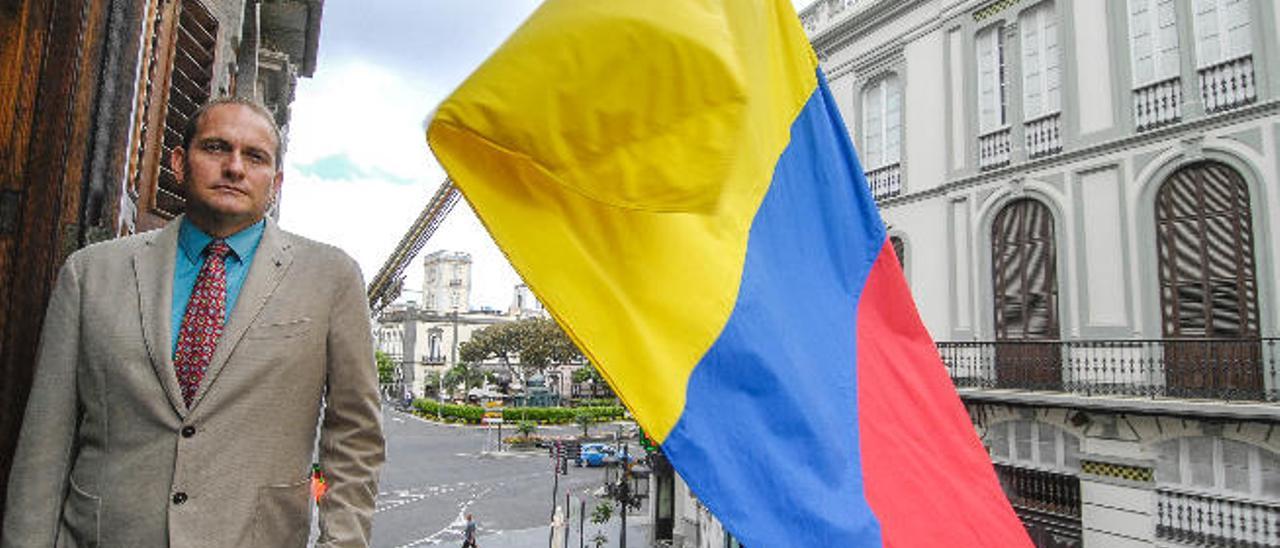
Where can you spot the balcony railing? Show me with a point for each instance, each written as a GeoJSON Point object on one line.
{"type": "Point", "coordinates": [1158, 104]}
{"type": "Point", "coordinates": [1228, 85]}
{"type": "Point", "coordinates": [433, 360]}
{"type": "Point", "coordinates": [1242, 369]}
{"type": "Point", "coordinates": [1048, 504]}
{"type": "Point", "coordinates": [1044, 135]}
{"type": "Point", "coordinates": [885, 182]}
{"type": "Point", "coordinates": [1216, 521]}
{"type": "Point", "coordinates": [1039, 490]}
{"type": "Point", "coordinates": [994, 149]}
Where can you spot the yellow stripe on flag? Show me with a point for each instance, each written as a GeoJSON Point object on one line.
{"type": "Point", "coordinates": [617, 152]}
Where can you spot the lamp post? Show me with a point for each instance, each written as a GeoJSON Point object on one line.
{"type": "Point", "coordinates": [627, 484]}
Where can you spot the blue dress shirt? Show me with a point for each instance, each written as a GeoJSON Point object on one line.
{"type": "Point", "coordinates": [190, 258]}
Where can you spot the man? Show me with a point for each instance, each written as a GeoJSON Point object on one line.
{"type": "Point", "coordinates": [182, 373]}
{"type": "Point", "coordinates": [469, 533]}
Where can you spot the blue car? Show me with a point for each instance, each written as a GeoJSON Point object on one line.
{"type": "Point", "coordinates": [600, 454]}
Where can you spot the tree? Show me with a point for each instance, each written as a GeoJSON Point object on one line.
{"type": "Point", "coordinates": [535, 343]}
{"type": "Point", "coordinates": [469, 376]}
{"type": "Point", "coordinates": [386, 367]}
{"type": "Point", "coordinates": [431, 383]}
{"type": "Point", "coordinates": [586, 373]}
{"type": "Point", "coordinates": [584, 419]}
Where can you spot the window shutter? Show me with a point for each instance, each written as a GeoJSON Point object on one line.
{"type": "Point", "coordinates": [1168, 65]}
{"type": "Point", "coordinates": [1239, 37]}
{"type": "Point", "coordinates": [1032, 64]}
{"type": "Point", "coordinates": [990, 79]}
{"type": "Point", "coordinates": [872, 125]}
{"type": "Point", "coordinates": [893, 120]}
{"type": "Point", "coordinates": [1208, 37]}
{"type": "Point", "coordinates": [1040, 76]}
{"type": "Point", "coordinates": [190, 86]}
{"type": "Point", "coordinates": [1052, 76]}
{"type": "Point", "coordinates": [1141, 41]}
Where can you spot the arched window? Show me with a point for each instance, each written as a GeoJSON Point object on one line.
{"type": "Point", "coordinates": [1207, 286]}
{"type": "Point", "coordinates": [1219, 465]}
{"type": "Point", "coordinates": [1024, 263]}
{"type": "Point", "coordinates": [1034, 443]}
{"type": "Point", "coordinates": [1024, 266]}
{"type": "Point", "coordinates": [899, 249]}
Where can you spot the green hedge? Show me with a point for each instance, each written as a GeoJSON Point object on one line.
{"type": "Point", "coordinates": [544, 415]}
{"type": "Point", "coordinates": [596, 402]}
{"type": "Point", "coordinates": [450, 412]}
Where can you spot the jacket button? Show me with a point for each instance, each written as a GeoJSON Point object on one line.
{"type": "Point", "coordinates": [179, 497]}
{"type": "Point", "coordinates": [188, 431]}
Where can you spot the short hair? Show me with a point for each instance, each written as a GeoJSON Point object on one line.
{"type": "Point", "coordinates": [193, 123]}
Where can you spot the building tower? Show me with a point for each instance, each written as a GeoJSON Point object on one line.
{"type": "Point", "coordinates": [447, 286]}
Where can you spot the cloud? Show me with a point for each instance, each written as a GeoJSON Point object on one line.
{"type": "Point", "coordinates": [368, 217]}
{"type": "Point", "coordinates": [358, 171]}
{"type": "Point", "coordinates": [340, 166]}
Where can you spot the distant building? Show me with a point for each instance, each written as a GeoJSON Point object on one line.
{"type": "Point", "coordinates": [1083, 196]}
{"type": "Point", "coordinates": [525, 305]}
{"type": "Point", "coordinates": [423, 342]}
{"type": "Point", "coordinates": [447, 285]}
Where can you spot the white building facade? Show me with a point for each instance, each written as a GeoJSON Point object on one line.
{"type": "Point", "coordinates": [447, 284]}
{"type": "Point", "coordinates": [1084, 196]}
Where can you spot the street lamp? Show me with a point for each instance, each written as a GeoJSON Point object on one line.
{"type": "Point", "coordinates": [627, 483]}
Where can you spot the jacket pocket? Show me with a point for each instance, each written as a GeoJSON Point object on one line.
{"type": "Point", "coordinates": [279, 330]}
{"type": "Point", "coordinates": [80, 527]}
{"type": "Point", "coordinates": [283, 516]}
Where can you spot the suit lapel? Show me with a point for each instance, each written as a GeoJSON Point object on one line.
{"type": "Point", "coordinates": [270, 263]}
{"type": "Point", "coordinates": [153, 266]}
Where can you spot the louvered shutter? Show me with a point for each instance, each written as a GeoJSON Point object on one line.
{"type": "Point", "coordinates": [1040, 72]}
{"type": "Point", "coordinates": [990, 76]}
{"type": "Point", "coordinates": [872, 125]}
{"type": "Point", "coordinates": [892, 120]}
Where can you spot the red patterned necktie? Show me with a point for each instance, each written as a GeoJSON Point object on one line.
{"type": "Point", "coordinates": [202, 322]}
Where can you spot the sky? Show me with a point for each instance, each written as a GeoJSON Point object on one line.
{"type": "Point", "coordinates": [357, 168]}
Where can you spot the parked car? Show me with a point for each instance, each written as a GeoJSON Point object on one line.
{"type": "Point", "coordinates": [600, 454]}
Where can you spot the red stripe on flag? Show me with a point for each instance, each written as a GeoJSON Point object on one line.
{"type": "Point", "coordinates": [927, 477]}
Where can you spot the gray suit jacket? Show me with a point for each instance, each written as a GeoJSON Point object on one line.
{"type": "Point", "coordinates": [110, 456]}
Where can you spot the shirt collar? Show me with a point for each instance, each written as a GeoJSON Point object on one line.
{"type": "Point", "coordinates": [192, 240]}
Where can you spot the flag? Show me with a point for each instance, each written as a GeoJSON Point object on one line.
{"type": "Point", "coordinates": [674, 182]}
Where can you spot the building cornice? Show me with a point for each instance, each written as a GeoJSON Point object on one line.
{"type": "Point", "coordinates": [1212, 409]}
{"type": "Point", "coordinates": [1169, 133]}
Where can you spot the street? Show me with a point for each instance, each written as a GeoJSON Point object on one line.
{"type": "Point", "coordinates": [437, 473]}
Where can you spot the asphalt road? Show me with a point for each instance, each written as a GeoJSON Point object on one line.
{"type": "Point", "coordinates": [435, 474]}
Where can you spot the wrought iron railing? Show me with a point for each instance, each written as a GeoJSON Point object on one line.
{"type": "Point", "coordinates": [1201, 520]}
{"type": "Point", "coordinates": [1043, 135]}
{"type": "Point", "coordinates": [994, 149]}
{"type": "Point", "coordinates": [1228, 84]}
{"type": "Point", "coordinates": [885, 182]}
{"type": "Point", "coordinates": [1040, 490]}
{"type": "Point", "coordinates": [1158, 104]}
{"type": "Point", "coordinates": [1238, 369]}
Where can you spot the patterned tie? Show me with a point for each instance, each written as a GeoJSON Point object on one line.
{"type": "Point", "coordinates": [202, 323]}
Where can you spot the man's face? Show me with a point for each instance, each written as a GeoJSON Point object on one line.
{"type": "Point", "coordinates": [230, 172]}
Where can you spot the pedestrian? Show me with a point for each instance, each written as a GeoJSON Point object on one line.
{"type": "Point", "coordinates": [469, 534]}
{"type": "Point", "coordinates": [182, 373]}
